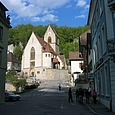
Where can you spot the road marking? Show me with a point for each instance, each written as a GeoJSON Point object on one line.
{"type": "Point", "coordinates": [92, 110]}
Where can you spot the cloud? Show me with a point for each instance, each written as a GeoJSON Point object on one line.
{"type": "Point", "coordinates": [81, 3]}
{"type": "Point", "coordinates": [49, 17]}
{"type": "Point", "coordinates": [80, 16]}
{"type": "Point", "coordinates": [33, 9]}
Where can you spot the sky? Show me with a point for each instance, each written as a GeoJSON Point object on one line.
{"type": "Point", "coordinates": [71, 13]}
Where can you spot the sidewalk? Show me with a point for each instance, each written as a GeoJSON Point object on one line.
{"type": "Point", "coordinates": [98, 108]}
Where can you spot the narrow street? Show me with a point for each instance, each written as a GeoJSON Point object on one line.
{"type": "Point", "coordinates": [44, 101]}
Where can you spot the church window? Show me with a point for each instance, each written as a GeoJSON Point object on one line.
{"type": "Point", "coordinates": [48, 55]}
{"type": "Point", "coordinates": [49, 39]}
{"type": "Point", "coordinates": [32, 57]}
{"type": "Point", "coordinates": [32, 54]}
{"type": "Point", "coordinates": [38, 72]}
{"type": "Point", "coordinates": [32, 64]}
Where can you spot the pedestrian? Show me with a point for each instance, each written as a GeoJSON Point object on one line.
{"type": "Point", "coordinates": [19, 89]}
{"type": "Point", "coordinates": [94, 95]}
{"type": "Point", "coordinates": [70, 95]}
{"type": "Point", "coordinates": [87, 94]}
{"type": "Point", "coordinates": [77, 94]}
{"type": "Point", "coordinates": [59, 87]}
{"type": "Point", "coordinates": [90, 92]}
{"type": "Point", "coordinates": [81, 94]}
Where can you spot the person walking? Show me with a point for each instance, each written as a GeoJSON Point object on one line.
{"type": "Point", "coordinates": [59, 87]}
{"type": "Point", "coordinates": [81, 94]}
{"type": "Point", "coordinates": [77, 94]}
{"type": "Point", "coordinates": [94, 95]}
{"type": "Point", "coordinates": [70, 95]}
{"type": "Point", "coordinates": [87, 96]}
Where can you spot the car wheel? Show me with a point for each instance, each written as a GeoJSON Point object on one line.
{"type": "Point", "coordinates": [10, 98]}
{"type": "Point", "coordinates": [17, 99]}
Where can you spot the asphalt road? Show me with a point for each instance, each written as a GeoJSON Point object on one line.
{"type": "Point", "coordinates": [44, 101]}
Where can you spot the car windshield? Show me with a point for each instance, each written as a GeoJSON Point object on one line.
{"type": "Point", "coordinates": [11, 93]}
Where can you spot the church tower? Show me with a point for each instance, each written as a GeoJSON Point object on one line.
{"type": "Point", "coordinates": [52, 38]}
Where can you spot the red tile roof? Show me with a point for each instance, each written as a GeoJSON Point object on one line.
{"type": "Point", "coordinates": [46, 46]}
{"type": "Point", "coordinates": [55, 60]}
{"type": "Point", "coordinates": [74, 56]}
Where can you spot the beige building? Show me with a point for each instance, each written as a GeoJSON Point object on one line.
{"type": "Point", "coordinates": [42, 54]}
{"type": "Point", "coordinates": [4, 26]}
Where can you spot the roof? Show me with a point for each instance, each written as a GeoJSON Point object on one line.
{"type": "Point", "coordinates": [11, 57]}
{"type": "Point", "coordinates": [54, 30]}
{"type": "Point", "coordinates": [75, 56]}
{"type": "Point", "coordinates": [62, 57]}
{"type": "Point", "coordinates": [83, 38]}
{"type": "Point", "coordinates": [3, 7]}
{"type": "Point", "coordinates": [55, 60]}
{"type": "Point", "coordinates": [46, 46]}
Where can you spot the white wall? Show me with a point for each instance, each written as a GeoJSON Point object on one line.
{"type": "Point", "coordinates": [75, 66]}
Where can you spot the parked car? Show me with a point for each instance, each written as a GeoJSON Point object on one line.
{"type": "Point", "coordinates": [11, 96]}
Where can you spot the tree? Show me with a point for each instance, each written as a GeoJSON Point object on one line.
{"type": "Point", "coordinates": [18, 52]}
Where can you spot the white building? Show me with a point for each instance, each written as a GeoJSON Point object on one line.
{"type": "Point", "coordinates": [76, 64]}
{"type": "Point", "coordinates": [40, 54]}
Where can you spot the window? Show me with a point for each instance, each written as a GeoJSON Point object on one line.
{"type": "Point", "coordinates": [99, 50]}
{"type": "Point", "coordinates": [32, 57]}
{"type": "Point", "coordinates": [32, 64]}
{"type": "Point", "coordinates": [32, 54]}
{"type": "Point", "coordinates": [0, 57]}
{"type": "Point", "coordinates": [103, 39]}
{"type": "Point", "coordinates": [48, 55]}
{"type": "Point", "coordinates": [106, 81]}
{"type": "Point", "coordinates": [1, 33]}
{"type": "Point", "coordinates": [49, 39]}
{"type": "Point", "coordinates": [94, 56]}
{"type": "Point", "coordinates": [101, 6]}
{"type": "Point", "coordinates": [101, 78]}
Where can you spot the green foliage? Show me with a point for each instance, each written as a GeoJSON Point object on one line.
{"type": "Point", "coordinates": [11, 73]}
{"type": "Point", "coordinates": [11, 76]}
{"type": "Point", "coordinates": [18, 52]}
{"type": "Point", "coordinates": [68, 36]}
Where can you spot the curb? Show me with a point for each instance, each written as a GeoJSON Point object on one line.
{"type": "Point", "coordinates": [92, 110]}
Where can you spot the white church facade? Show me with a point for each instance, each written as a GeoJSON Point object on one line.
{"type": "Point", "coordinates": [40, 56]}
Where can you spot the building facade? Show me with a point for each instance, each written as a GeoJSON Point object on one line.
{"type": "Point", "coordinates": [4, 26]}
{"type": "Point", "coordinates": [41, 54]}
{"type": "Point", "coordinates": [101, 20]}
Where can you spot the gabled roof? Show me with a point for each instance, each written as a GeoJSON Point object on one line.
{"type": "Point", "coordinates": [46, 46]}
{"type": "Point", "coordinates": [62, 57]}
{"type": "Point", "coordinates": [75, 56]}
{"type": "Point", "coordinates": [11, 58]}
{"type": "Point", "coordinates": [3, 7]}
{"type": "Point", "coordinates": [54, 30]}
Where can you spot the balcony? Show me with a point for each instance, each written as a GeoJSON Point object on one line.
{"type": "Point", "coordinates": [111, 47]}
{"type": "Point", "coordinates": [111, 4]}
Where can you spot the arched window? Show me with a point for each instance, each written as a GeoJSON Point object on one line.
{"type": "Point", "coordinates": [32, 54]}
{"type": "Point", "coordinates": [32, 57]}
{"type": "Point", "coordinates": [49, 39]}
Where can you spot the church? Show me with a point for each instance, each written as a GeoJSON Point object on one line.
{"type": "Point", "coordinates": [42, 54]}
